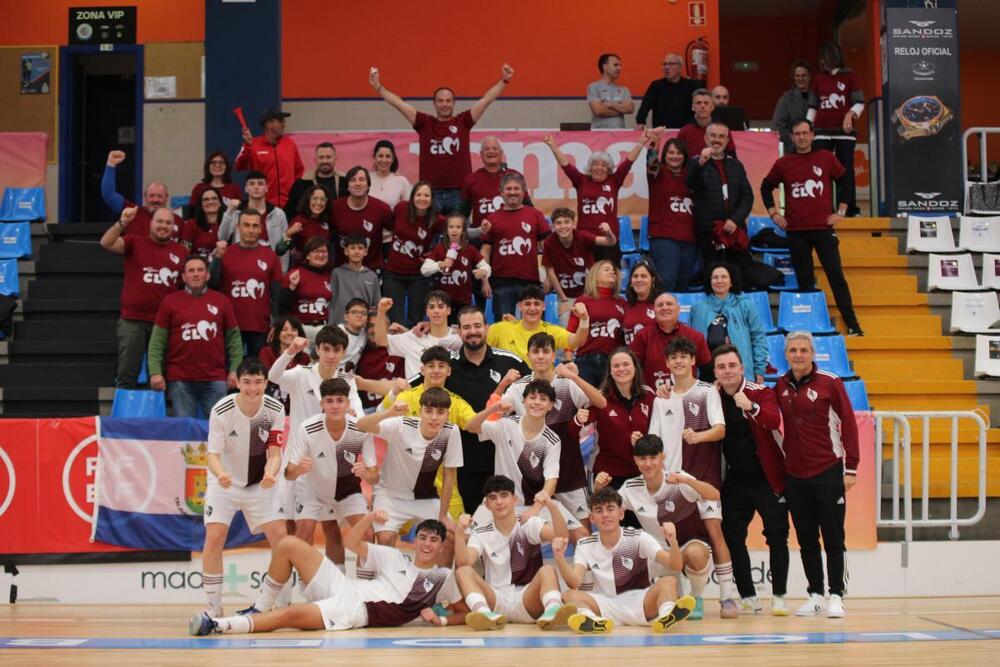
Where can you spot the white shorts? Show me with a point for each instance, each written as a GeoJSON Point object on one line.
{"type": "Point", "coordinates": [624, 608]}
{"type": "Point", "coordinates": [286, 496]}
{"type": "Point", "coordinates": [710, 509]}
{"type": "Point", "coordinates": [401, 510]}
{"type": "Point", "coordinates": [483, 516]}
{"type": "Point", "coordinates": [656, 570]}
{"type": "Point", "coordinates": [576, 502]}
{"type": "Point", "coordinates": [510, 603]}
{"type": "Point", "coordinates": [259, 505]}
{"type": "Point", "coordinates": [336, 597]}
{"type": "Point", "coordinates": [309, 506]}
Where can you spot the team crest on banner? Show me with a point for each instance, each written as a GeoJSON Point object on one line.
{"type": "Point", "coordinates": [195, 477]}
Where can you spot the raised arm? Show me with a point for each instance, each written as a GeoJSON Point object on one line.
{"type": "Point", "coordinates": [672, 559]}
{"type": "Point", "coordinates": [109, 191]}
{"type": "Point", "coordinates": [571, 574]}
{"type": "Point", "coordinates": [355, 537]}
{"type": "Point", "coordinates": [370, 423]}
{"type": "Point", "coordinates": [579, 337]}
{"type": "Point", "coordinates": [480, 106]}
{"type": "Point", "coordinates": [704, 489]}
{"type": "Point", "coordinates": [558, 528]}
{"type": "Point", "coordinates": [593, 394]}
{"type": "Point", "coordinates": [464, 554]}
{"type": "Point", "coordinates": [394, 100]}
{"type": "Point", "coordinates": [475, 425]}
{"type": "Point", "coordinates": [112, 239]}
{"type": "Point", "coordinates": [381, 329]}
{"type": "Point", "coordinates": [560, 157]}
{"type": "Point", "coordinates": [277, 371]}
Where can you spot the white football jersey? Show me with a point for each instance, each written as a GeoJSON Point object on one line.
{"type": "Point", "coordinates": [624, 567]}
{"type": "Point", "coordinates": [527, 462]}
{"type": "Point", "coordinates": [411, 462]}
{"type": "Point", "coordinates": [400, 590]}
{"type": "Point", "coordinates": [331, 477]}
{"type": "Point", "coordinates": [509, 559]}
{"type": "Point", "coordinates": [410, 346]}
{"type": "Point", "coordinates": [676, 503]}
{"type": "Point", "coordinates": [302, 386]}
{"type": "Point", "coordinates": [242, 441]}
{"type": "Point", "coordinates": [569, 398]}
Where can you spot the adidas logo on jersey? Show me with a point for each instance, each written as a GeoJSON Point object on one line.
{"type": "Point", "coordinates": [493, 555]}
{"type": "Point", "coordinates": [409, 450]}
{"type": "Point", "coordinates": [233, 434]}
{"type": "Point", "coordinates": [322, 455]}
{"type": "Point", "coordinates": [311, 392]}
{"type": "Point", "coordinates": [669, 413]}
{"type": "Point", "coordinates": [208, 510]}
{"type": "Point", "coordinates": [641, 509]}
{"type": "Point", "coordinates": [402, 572]}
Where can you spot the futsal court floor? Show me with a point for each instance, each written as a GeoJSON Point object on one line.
{"type": "Point", "coordinates": [886, 631]}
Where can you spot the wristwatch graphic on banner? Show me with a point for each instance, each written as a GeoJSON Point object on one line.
{"type": "Point", "coordinates": [921, 116]}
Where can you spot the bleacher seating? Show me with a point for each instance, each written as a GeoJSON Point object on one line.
{"type": "Point", "coordinates": [757, 223]}
{"type": "Point", "coordinates": [552, 308]}
{"type": "Point", "coordinates": [951, 272]}
{"type": "Point", "coordinates": [979, 234]}
{"type": "Point", "coordinates": [626, 237]}
{"type": "Point", "coordinates": [858, 393]}
{"type": "Point", "coordinates": [784, 264]}
{"type": "Point", "coordinates": [686, 301]}
{"type": "Point", "coordinates": [15, 240]}
{"type": "Point", "coordinates": [975, 312]}
{"type": "Point", "coordinates": [489, 311]}
{"type": "Point", "coordinates": [804, 311]}
{"type": "Point", "coordinates": [763, 304]}
{"type": "Point", "coordinates": [929, 233]}
{"type": "Point", "coordinates": [644, 233]}
{"type": "Point", "coordinates": [831, 355]}
{"type": "Point", "coordinates": [9, 281]}
{"type": "Point", "coordinates": [987, 362]}
{"type": "Point", "coordinates": [628, 263]}
{"type": "Point", "coordinates": [991, 271]}
{"type": "Point", "coordinates": [22, 205]}
{"type": "Point", "coordinates": [139, 403]}
{"type": "Point", "coordinates": [776, 354]}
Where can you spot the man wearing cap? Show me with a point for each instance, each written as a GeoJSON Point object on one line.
{"type": "Point", "coordinates": [272, 153]}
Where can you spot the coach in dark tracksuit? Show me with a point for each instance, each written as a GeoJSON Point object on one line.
{"type": "Point", "coordinates": [755, 473]}
{"type": "Point", "coordinates": [821, 463]}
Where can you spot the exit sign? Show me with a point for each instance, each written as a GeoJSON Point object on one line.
{"type": "Point", "coordinates": [745, 66]}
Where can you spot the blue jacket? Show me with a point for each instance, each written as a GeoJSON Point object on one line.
{"type": "Point", "coordinates": [745, 329]}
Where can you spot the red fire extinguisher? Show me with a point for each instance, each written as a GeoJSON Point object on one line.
{"type": "Point", "coordinates": [696, 57]}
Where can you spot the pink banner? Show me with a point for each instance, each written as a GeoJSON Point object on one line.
{"type": "Point", "coordinates": [525, 152]}
{"type": "Point", "coordinates": [22, 159]}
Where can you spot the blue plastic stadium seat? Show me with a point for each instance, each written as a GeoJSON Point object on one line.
{"type": "Point", "coordinates": [552, 308]}
{"type": "Point", "coordinates": [831, 355]}
{"type": "Point", "coordinates": [488, 307]}
{"type": "Point", "coordinates": [179, 201]}
{"type": "Point", "coordinates": [858, 393]}
{"type": "Point", "coordinates": [755, 224]}
{"type": "Point", "coordinates": [139, 403]}
{"type": "Point", "coordinates": [626, 237]}
{"type": "Point", "coordinates": [784, 264]}
{"type": "Point", "coordinates": [143, 371]}
{"type": "Point", "coordinates": [763, 305]}
{"type": "Point", "coordinates": [22, 205]}
{"type": "Point", "coordinates": [776, 354]}
{"type": "Point", "coordinates": [628, 263]}
{"type": "Point", "coordinates": [686, 301]}
{"type": "Point", "coordinates": [804, 311]}
{"type": "Point", "coordinates": [9, 283]}
{"type": "Point", "coordinates": [15, 240]}
{"type": "Point", "coordinates": [644, 233]}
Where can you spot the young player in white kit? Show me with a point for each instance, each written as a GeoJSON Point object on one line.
{"type": "Point", "coordinates": [657, 497]}
{"type": "Point", "coordinates": [403, 589]}
{"type": "Point", "coordinates": [618, 558]}
{"type": "Point", "coordinates": [517, 586]}
{"type": "Point", "coordinates": [416, 448]}
{"type": "Point", "coordinates": [691, 425]}
{"type": "Point", "coordinates": [245, 435]}
{"type": "Point", "coordinates": [531, 455]}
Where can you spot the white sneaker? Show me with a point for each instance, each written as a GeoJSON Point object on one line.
{"type": "Point", "coordinates": [778, 606]}
{"type": "Point", "coordinates": [814, 606]}
{"type": "Point", "coordinates": [751, 605]}
{"type": "Point", "coordinates": [836, 607]}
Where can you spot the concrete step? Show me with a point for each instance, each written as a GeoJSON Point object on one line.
{"type": "Point", "coordinates": [901, 325]}
{"type": "Point", "coordinates": [853, 246]}
{"type": "Point", "coordinates": [896, 283]}
{"type": "Point", "coordinates": [880, 370]}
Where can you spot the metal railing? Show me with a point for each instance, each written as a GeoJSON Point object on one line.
{"type": "Point", "coordinates": [902, 457]}
{"type": "Point", "coordinates": [981, 133]}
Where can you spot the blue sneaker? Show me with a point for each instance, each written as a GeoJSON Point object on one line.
{"type": "Point", "coordinates": [202, 624]}
{"type": "Point", "coordinates": [699, 610]}
{"type": "Point", "coordinates": [248, 611]}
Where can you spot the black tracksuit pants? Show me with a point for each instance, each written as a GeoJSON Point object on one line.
{"type": "Point", "coordinates": [818, 505]}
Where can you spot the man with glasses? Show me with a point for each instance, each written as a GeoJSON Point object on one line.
{"type": "Point", "coordinates": [669, 98]}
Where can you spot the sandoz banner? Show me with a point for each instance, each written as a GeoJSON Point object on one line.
{"type": "Point", "coordinates": [525, 151]}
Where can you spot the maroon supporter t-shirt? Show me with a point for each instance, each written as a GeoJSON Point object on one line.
{"type": "Point", "coordinates": [140, 223]}
{"type": "Point", "coordinates": [482, 190]}
{"type": "Point", "coordinates": [410, 241]}
{"type": "Point", "coordinates": [833, 95]}
{"type": "Point", "coordinates": [650, 345]}
{"type": "Point", "coordinates": [444, 149]}
{"type": "Point", "coordinates": [457, 280]}
{"type": "Point", "coordinates": [606, 316]}
{"type": "Point", "coordinates": [570, 264]}
{"type": "Point", "coordinates": [377, 364]}
{"type": "Point", "coordinates": [693, 136]}
{"type": "Point", "coordinates": [808, 179]}
{"type": "Point", "coordinates": [201, 241]}
{"type": "Point", "coordinates": [312, 295]}
{"type": "Point", "coordinates": [246, 277]}
{"type": "Point", "coordinates": [151, 272]}
{"type": "Point", "coordinates": [637, 317]}
{"type": "Point", "coordinates": [597, 202]}
{"type": "Point", "coordinates": [367, 221]}
{"type": "Point", "coordinates": [515, 237]}
{"type": "Point", "coordinates": [670, 207]}
{"type": "Point", "coordinates": [196, 347]}
{"type": "Point", "coordinates": [311, 227]}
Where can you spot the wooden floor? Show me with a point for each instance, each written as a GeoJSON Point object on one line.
{"type": "Point", "coordinates": [956, 631]}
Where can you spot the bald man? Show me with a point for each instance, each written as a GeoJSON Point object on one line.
{"type": "Point", "coordinates": [669, 98]}
{"type": "Point", "coordinates": [481, 189]}
{"type": "Point", "coordinates": [154, 196]}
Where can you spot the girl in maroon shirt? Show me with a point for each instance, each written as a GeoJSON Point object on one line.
{"type": "Point", "coordinates": [643, 288]}
{"type": "Point", "coordinates": [218, 177]}
{"type": "Point", "coordinates": [313, 219]}
{"type": "Point", "coordinates": [456, 264]}
{"type": "Point", "coordinates": [415, 224]}
{"type": "Point", "coordinates": [305, 291]}
{"type": "Point", "coordinates": [607, 311]}
{"type": "Point", "coordinates": [201, 233]}
{"type": "Point", "coordinates": [597, 190]}
{"type": "Point", "coordinates": [671, 222]}
{"type": "Point", "coordinates": [284, 331]}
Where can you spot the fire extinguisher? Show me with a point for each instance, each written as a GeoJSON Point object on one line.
{"type": "Point", "coordinates": [696, 57]}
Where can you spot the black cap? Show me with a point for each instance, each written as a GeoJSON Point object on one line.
{"type": "Point", "coordinates": [273, 113]}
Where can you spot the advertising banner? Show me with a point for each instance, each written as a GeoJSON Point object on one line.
{"type": "Point", "coordinates": [525, 151]}
{"type": "Point", "coordinates": [924, 150]}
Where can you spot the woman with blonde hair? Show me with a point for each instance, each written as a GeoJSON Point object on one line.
{"type": "Point", "coordinates": [606, 309]}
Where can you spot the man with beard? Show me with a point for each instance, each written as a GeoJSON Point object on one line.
{"type": "Point", "coordinates": [325, 174]}
{"type": "Point", "coordinates": [481, 189]}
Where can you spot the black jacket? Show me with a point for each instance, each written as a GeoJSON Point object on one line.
{"type": "Point", "coordinates": [669, 102]}
{"type": "Point", "coordinates": [705, 184]}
